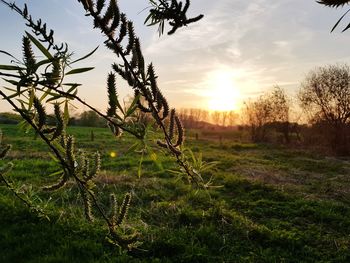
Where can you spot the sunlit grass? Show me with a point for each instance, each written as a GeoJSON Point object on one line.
{"type": "Point", "coordinates": [274, 205]}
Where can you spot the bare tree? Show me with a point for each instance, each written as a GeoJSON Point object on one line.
{"type": "Point", "coordinates": [281, 112]}
{"type": "Point", "coordinates": [232, 118]}
{"type": "Point", "coordinates": [224, 118]}
{"type": "Point", "coordinates": [257, 114]}
{"type": "Point", "coordinates": [216, 117]}
{"type": "Point", "coordinates": [193, 118]}
{"type": "Point", "coordinates": [325, 96]}
{"type": "Point", "coordinates": [270, 110]}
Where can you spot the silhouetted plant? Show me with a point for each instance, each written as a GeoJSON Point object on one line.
{"type": "Point", "coordinates": [172, 11]}
{"type": "Point", "coordinates": [38, 83]}
{"type": "Point", "coordinates": [336, 4]}
{"type": "Point", "coordinates": [333, 3]}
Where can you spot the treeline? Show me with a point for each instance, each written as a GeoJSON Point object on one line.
{"type": "Point", "coordinates": [191, 118]}
{"type": "Point", "coordinates": [86, 119]}
{"type": "Point", "coordinates": [323, 103]}
{"type": "Point", "coordinates": [199, 118]}
{"type": "Point", "coordinates": [318, 116]}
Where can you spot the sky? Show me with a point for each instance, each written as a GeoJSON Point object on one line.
{"type": "Point", "coordinates": [238, 51]}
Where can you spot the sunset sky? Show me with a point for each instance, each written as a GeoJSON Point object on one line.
{"type": "Point", "coordinates": [239, 50]}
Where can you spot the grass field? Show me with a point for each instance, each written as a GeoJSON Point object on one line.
{"type": "Point", "coordinates": [275, 204]}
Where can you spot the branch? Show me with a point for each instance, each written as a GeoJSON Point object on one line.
{"type": "Point", "coordinates": [333, 3]}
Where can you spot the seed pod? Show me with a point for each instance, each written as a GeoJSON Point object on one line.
{"type": "Point", "coordinates": [153, 82]}
{"type": "Point", "coordinates": [112, 95]}
{"type": "Point", "coordinates": [96, 168]}
{"type": "Point", "coordinates": [123, 28]}
{"type": "Point", "coordinates": [87, 205]}
{"type": "Point", "coordinates": [70, 155]}
{"type": "Point", "coordinates": [123, 209]}
{"type": "Point", "coordinates": [172, 124]}
{"type": "Point", "coordinates": [114, 209]}
{"type": "Point", "coordinates": [28, 54]}
{"type": "Point", "coordinates": [41, 113]}
{"type": "Point", "coordinates": [58, 185]}
{"type": "Point", "coordinates": [99, 6]}
{"type": "Point", "coordinates": [60, 126]}
{"type": "Point", "coordinates": [131, 34]}
{"type": "Point", "coordinates": [180, 132]}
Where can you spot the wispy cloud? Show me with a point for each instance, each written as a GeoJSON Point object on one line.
{"type": "Point", "coordinates": [272, 43]}
{"type": "Point", "coordinates": [258, 43]}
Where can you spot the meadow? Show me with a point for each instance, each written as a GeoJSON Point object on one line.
{"type": "Point", "coordinates": [268, 204]}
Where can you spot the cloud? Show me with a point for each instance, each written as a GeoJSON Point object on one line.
{"type": "Point", "coordinates": [267, 42]}
{"type": "Point", "coordinates": [271, 43]}
{"type": "Point", "coordinates": [230, 36]}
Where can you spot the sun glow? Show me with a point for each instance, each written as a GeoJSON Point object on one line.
{"type": "Point", "coordinates": [223, 93]}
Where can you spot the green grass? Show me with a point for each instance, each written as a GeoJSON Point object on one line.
{"type": "Point", "coordinates": [274, 204]}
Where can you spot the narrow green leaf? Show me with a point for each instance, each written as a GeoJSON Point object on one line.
{"type": "Point", "coordinates": [13, 82]}
{"type": "Point", "coordinates": [79, 70]}
{"type": "Point", "coordinates": [346, 28]}
{"type": "Point", "coordinates": [16, 94]}
{"type": "Point", "coordinates": [86, 56]}
{"type": "Point", "coordinates": [8, 54]}
{"type": "Point", "coordinates": [340, 19]}
{"type": "Point", "coordinates": [139, 170]}
{"type": "Point", "coordinates": [22, 102]}
{"type": "Point", "coordinates": [56, 97]}
{"type": "Point", "coordinates": [70, 91]}
{"type": "Point", "coordinates": [24, 126]}
{"type": "Point", "coordinates": [40, 46]}
{"type": "Point", "coordinates": [75, 92]}
{"type": "Point", "coordinates": [47, 92]}
{"type": "Point", "coordinates": [56, 173]}
{"type": "Point", "coordinates": [42, 62]}
{"type": "Point", "coordinates": [66, 113]}
{"type": "Point", "coordinates": [31, 99]}
{"type": "Point", "coordinates": [133, 106]}
{"type": "Point", "coordinates": [153, 23]}
{"type": "Point", "coordinates": [154, 157]}
{"type": "Point", "coordinates": [9, 89]}
{"type": "Point", "coordinates": [209, 165]}
{"type": "Point", "coordinates": [71, 84]}
{"type": "Point", "coordinates": [10, 67]}
{"type": "Point", "coordinates": [132, 148]}
{"type": "Point", "coordinates": [147, 18]}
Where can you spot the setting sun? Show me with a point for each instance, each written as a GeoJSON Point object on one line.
{"type": "Point", "coordinates": [223, 94]}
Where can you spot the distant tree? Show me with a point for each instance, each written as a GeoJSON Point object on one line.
{"type": "Point", "coordinates": [91, 119]}
{"type": "Point", "coordinates": [232, 118]}
{"type": "Point", "coordinates": [257, 114]}
{"type": "Point", "coordinates": [205, 115]}
{"type": "Point", "coordinates": [224, 118]}
{"type": "Point", "coordinates": [325, 96]}
{"type": "Point", "coordinates": [197, 115]}
{"type": "Point", "coordinates": [194, 117]}
{"type": "Point", "coordinates": [10, 118]}
{"type": "Point", "coordinates": [270, 110]}
{"type": "Point", "coordinates": [281, 112]}
{"type": "Point", "coordinates": [216, 117]}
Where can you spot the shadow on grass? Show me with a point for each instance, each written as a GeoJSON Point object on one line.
{"type": "Point", "coordinates": [26, 238]}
